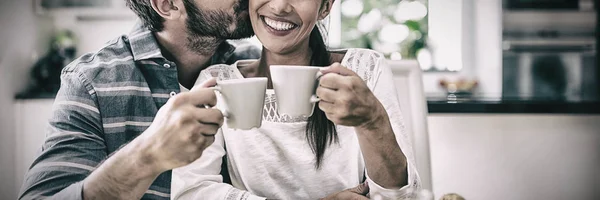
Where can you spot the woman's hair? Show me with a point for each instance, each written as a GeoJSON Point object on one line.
{"type": "Point", "coordinates": [320, 131]}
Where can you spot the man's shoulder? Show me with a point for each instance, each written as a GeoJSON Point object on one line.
{"type": "Point", "coordinates": [116, 53]}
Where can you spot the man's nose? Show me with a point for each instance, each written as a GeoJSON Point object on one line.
{"type": "Point", "coordinates": [280, 7]}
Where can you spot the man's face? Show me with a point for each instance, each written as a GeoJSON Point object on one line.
{"type": "Point", "coordinates": [226, 19]}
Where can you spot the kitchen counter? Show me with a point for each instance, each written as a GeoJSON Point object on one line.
{"type": "Point", "coordinates": [483, 104]}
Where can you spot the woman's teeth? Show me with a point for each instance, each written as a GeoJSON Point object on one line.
{"type": "Point", "coordinates": [279, 25]}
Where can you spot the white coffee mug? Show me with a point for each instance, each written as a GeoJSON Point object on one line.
{"type": "Point", "coordinates": [242, 101]}
{"type": "Point", "coordinates": [295, 88]}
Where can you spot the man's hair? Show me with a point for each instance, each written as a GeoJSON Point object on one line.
{"type": "Point", "coordinates": [150, 18]}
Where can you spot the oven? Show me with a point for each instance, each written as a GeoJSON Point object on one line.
{"type": "Point", "coordinates": [549, 50]}
{"type": "Point", "coordinates": [550, 69]}
{"type": "Point", "coordinates": [580, 5]}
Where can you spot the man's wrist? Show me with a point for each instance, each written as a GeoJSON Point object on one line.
{"type": "Point", "coordinates": [142, 158]}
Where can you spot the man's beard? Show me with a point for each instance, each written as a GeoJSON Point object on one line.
{"type": "Point", "coordinates": [206, 29]}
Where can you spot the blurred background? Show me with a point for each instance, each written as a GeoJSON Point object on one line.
{"type": "Point", "coordinates": [512, 87]}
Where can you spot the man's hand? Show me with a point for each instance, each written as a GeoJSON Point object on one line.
{"type": "Point", "coordinates": [182, 128]}
{"type": "Point", "coordinates": [356, 193]}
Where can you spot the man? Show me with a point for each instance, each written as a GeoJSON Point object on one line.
{"type": "Point", "coordinates": [119, 124]}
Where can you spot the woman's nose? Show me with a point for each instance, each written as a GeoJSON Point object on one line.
{"type": "Point", "coordinates": [280, 7]}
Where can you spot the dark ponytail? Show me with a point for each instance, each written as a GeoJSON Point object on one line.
{"type": "Point", "coordinates": [320, 131]}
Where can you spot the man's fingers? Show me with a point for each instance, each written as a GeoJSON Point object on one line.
{"type": "Point", "coordinates": [206, 84]}
{"type": "Point", "coordinates": [208, 116]}
{"type": "Point", "coordinates": [199, 97]}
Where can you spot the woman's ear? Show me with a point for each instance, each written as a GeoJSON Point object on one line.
{"type": "Point", "coordinates": [166, 8]}
{"type": "Point", "coordinates": [326, 9]}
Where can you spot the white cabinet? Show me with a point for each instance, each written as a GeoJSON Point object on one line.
{"type": "Point", "coordinates": [31, 118]}
{"type": "Point", "coordinates": [515, 156]}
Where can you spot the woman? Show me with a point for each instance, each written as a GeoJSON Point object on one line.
{"type": "Point", "coordinates": [356, 133]}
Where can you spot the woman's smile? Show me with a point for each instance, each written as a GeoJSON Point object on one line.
{"type": "Point", "coordinates": [278, 26]}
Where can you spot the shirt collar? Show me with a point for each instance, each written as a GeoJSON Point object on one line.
{"type": "Point", "coordinates": [144, 46]}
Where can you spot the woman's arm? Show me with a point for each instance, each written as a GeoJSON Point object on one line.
{"type": "Point", "coordinates": [375, 113]}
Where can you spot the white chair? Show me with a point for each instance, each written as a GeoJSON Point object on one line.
{"type": "Point", "coordinates": [408, 80]}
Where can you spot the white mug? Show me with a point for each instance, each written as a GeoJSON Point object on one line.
{"type": "Point", "coordinates": [243, 101]}
{"type": "Point", "coordinates": [295, 88]}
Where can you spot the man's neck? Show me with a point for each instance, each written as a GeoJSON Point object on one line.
{"type": "Point", "coordinates": [189, 63]}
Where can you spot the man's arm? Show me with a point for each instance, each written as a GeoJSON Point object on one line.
{"type": "Point", "coordinates": [73, 147]}
{"type": "Point", "coordinates": [66, 169]}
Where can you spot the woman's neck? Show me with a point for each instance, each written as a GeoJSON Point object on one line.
{"type": "Point", "coordinates": [261, 68]}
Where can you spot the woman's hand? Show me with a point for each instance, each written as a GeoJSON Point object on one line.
{"type": "Point", "coordinates": [356, 193]}
{"type": "Point", "coordinates": [346, 99]}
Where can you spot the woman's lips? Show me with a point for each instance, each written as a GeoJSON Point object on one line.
{"type": "Point", "coordinates": [278, 27]}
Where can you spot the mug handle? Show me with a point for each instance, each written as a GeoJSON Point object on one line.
{"type": "Point", "coordinates": [314, 98]}
{"type": "Point", "coordinates": [223, 110]}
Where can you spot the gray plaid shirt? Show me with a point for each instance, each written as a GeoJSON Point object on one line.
{"type": "Point", "coordinates": [106, 99]}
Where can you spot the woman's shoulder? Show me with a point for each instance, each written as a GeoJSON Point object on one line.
{"type": "Point", "coordinates": [366, 63]}
{"type": "Point", "coordinates": [363, 54]}
{"type": "Point", "coordinates": [220, 72]}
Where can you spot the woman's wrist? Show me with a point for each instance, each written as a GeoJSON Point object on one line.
{"type": "Point", "coordinates": [378, 120]}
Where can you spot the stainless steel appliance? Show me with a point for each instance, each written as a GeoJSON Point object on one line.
{"type": "Point", "coordinates": [581, 5]}
{"type": "Point", "coordinates": [549, 54]}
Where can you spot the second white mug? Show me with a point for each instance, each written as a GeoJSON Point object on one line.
{"type": "Point", "coordinates": [243, 101]}
{"type": "Point", "coordinates": [295, 88]}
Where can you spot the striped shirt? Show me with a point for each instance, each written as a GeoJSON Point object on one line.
{"type": "Point", "coordinates": [106, 99]}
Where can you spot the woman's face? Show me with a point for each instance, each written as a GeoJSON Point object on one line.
{"type": "Point", "coordinates": [283, 26]}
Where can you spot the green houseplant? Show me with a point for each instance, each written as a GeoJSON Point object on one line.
{"type": "Point", "coordinates": [397, 28]}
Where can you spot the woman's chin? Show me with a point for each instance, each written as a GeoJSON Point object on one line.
{"type": "Point", "coordinates": [277, 49]}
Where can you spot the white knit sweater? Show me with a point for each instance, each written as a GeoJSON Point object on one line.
{"type": "Point", "coordinates": [275, 160]}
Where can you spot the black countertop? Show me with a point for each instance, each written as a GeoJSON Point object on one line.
{"type": "Point", "coordinates": [486, 104]}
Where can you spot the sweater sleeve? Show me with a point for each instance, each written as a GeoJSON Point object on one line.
{"type": "Point", "coordinates": [370, 66]}
{"type": "Point", "coordinates": [202, 180]}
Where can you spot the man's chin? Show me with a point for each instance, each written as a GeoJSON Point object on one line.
{"type": "Point", "coordinates": [240, 36]}
{"type": "Point", "coordinates": [242, 32]}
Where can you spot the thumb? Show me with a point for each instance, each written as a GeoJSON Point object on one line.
{"type": "Point", "coordinates": [338, 69]}
{"type": "Point", "coordinates": [206, 84]}
{"type": "Point", "coordinates": [362, 189]}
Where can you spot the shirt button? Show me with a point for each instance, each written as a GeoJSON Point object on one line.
{"type": "Point", "coordinates": [172, 93]}
{"type": "Point", "coordinates": [166, 65]}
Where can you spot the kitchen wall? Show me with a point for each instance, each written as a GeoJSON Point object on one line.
{"type": "Point", "coordinates": [468, 35]}
{"type": "Point", "coordinates": [515, 156]}
{"type": "Point", "coordinates": [24, 38]}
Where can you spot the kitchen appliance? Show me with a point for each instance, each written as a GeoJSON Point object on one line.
{"type": "Point", "coordinates": [549, 54]}
{"type": "Point", "coordinates": [576, 5]}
